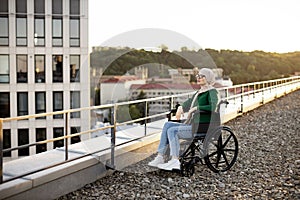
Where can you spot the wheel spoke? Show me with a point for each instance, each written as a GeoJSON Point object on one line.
{"type": "Point", "coordinates": [218, 159]}
{"type": "Point", "coordinates": [229, 150]}
{"type": "Point", "coordinates": [225, 158]}
{"type": "Point", "coordinates": [225, 143]}
{"type": "Point", "coordinates": [212, 154]}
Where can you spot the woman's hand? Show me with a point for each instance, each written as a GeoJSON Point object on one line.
{"type": "Point", "coordinates": [191, 111]}
{"type": "Point", "coordinates": [179, 112]}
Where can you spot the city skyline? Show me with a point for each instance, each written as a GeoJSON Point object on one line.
{"type": "Point", "coordinates": [266, 25]}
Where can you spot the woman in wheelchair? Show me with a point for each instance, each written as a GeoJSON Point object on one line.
{"type": "Point", "coordinates": [206, 98]}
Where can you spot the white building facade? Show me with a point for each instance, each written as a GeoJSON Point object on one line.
{"type": "Point", "coordinates": [152, 90]}
{"type": "Point", "coordinates": [117, 88]}
{"type": "Point", "coordinates": [43, 68]}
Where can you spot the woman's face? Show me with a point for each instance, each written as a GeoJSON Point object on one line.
{"type": "Point", "coordinates": [201, 79]}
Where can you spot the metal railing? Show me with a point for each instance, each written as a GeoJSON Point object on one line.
{"type": "Point", "coordinates": [236, 94]}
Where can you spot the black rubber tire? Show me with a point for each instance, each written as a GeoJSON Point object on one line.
{"type": "Point", "coordinates": [222, 152]}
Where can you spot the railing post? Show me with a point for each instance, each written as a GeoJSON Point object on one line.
{"type": "Point", "coordinates": [66, 134]}
{"type": "Point", "coordinates": [171, 103]}
{"type": "Point", "coordinates": [242, 100]}
{"type": "Point", "coordinates": [226, 94]}
{"type": "Point", "coordinates": [262, 93]}
{"type": "Point", "coordinates": [146, 114]}
{"type": "Point", "coordinates": [1, 151]}
{"type": "Point", "coordinates": [254, 89]}
{"type": "Point", "coordinates": [113, 136]}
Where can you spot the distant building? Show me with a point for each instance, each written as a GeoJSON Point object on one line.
{"type": "Point", "coordinates": [116, 88]}
{"type": "Point", "coordinates": [158, 90]}
{"type": "Point", "coordinates": [43, 68]}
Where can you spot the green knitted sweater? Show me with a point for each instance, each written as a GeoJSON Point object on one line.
{"type": "Point", "coordinates": [206, 101]}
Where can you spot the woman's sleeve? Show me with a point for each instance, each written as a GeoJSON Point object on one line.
{"type": "Point", "coordinates": [187, 104]}
{"type": "Point", "coordinates": [212, 101]}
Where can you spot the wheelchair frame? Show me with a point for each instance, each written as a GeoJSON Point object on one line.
{"type": "Point", "coordinates": [212, 143]}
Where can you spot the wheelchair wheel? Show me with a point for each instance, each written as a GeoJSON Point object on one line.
{"type": "Point", "coordinates": [221, 150]}
{"type": "Point", "coordinates": [187, 168]}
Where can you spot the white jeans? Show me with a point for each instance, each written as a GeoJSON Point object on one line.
{"type": "Point", "coordinates": [171, 133]}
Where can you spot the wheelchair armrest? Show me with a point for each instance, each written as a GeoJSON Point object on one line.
{"type": "Point", "coordinates": [202, 112]}
{"type": "Point", "coordinates": [169, 115]}
{"type": "Point", "coordinates": [173, 111]}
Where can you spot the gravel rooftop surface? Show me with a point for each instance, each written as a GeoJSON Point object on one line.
{"type": "Point", "coordinates": [268, 165]}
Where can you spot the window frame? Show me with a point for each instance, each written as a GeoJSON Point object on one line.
{"type": "Point", "coordinates": [23, 141]}
{"type": "Point", "coordinates": [40, 136]}
{"type": "Point", "coordinates": [37, 109]}
{"type": "Point", "coordinates": [54, 103]}
{"type": "Point", "coordinates": [74, 106]}
{"type": "Point", "coordinates": [5, 76]}
{"type": "Point", "coordinates": [4, 112]}
{"type": "Point", "coordinates": [6, 142]}
{"type": "Point", "coordinates": [4, 14]}
{"type": "Point", "coordinates": [74, 40]}
{"type": "Point", "coordinates": [20, 38]}
{"type": "Point", "coordinates": [58, 143]}
{"type": "Point", "coordinates": [76, 78]}
{"type": "Point", "coordinates": [57, 40]}
{"type": "Point", "coordinates": [57, 75]}
{"type": "Point", "coordinates": [20, 77]}
{"type": "Point", "coordinates": [39, 38]}
{"type": "Point", "coordinates": [22, 112]}
{"type": "Point", "coordinates": [43, 73]}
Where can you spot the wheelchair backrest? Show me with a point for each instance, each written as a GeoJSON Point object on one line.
{"type": "Point", "coordinates": [204, 127]}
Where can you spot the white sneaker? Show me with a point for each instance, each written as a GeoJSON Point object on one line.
{"type": "Point", "coordinates": [172, 164]}
{"type": "Point", "coordinates": [157, 160]}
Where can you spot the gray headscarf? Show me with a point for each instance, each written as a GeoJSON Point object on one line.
{"type": "Point", "coordinates": [210, 79]}
{"type": "Point", "coordinates": [209, 75]}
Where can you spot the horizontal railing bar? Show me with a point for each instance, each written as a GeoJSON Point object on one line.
{"type": "Point", "coordinates": [142, 118]}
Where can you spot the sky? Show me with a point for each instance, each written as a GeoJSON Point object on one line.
{"type": "Point", "coordinates": [244, 25]}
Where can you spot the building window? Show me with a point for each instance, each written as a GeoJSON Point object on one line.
{"type": "Point", "coordinates": [57, 7]}
{"type": "Point", "coordinates": [39, 6]}
{"type": "Point", "coordinates": [22, 103]}
{"type": "Point", "coordinates": [22, 68]}
{"type": "Point", "coordinates": [75, 7]}
{"type": "Point", "coordinates": [39, 31]}
{"type": "Point", "coordinates": [75, 103]}
{"type": "Point", "coordinates": [4, 104]}
{"type": "Point", "coordinates": [57, 68]}
{"type": "Point", "coordinates": [6, 142]}
{"type": "Point", "coordinates": [57, 32]}
{"type": "Point", "coordinates": [39, 23]}
{"type": "Point", "coordinates": [23, 139]}
{"type": "Point", "coordinates": [4, 69]}
{"type": "Point", "coordinates": [58, 104]}
{"type": "Point", "coordinates": [4, 23]}
{"type": "Point", "coordinates": [41, 136]}
{"type": "Point", "coordinates": [57, 23]}
{"type": "Point", "coordinates": [39, 62]}
{"type": "Point", "coordinates": [21, 22]}
{"type": "Point", "coordinates": [75, 68]}
{"type": "Point", "coordinates": [40, 103]}
{"type": "Point", "coordinates": [58, 132]}
{"type": "Point", "coordinates": [21, 6]}
{"type": "Point", "coordinates": [21, 27]}
{"type": "Point", "coordinates": [74, 23]}
{"type": "Point", "coordinates": [75, 139]}
{"type": "Point", "coordinates": [74, 32]}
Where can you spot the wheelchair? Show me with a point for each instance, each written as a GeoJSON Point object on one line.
{"type": "Point", "coordinates": [213, 144]}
